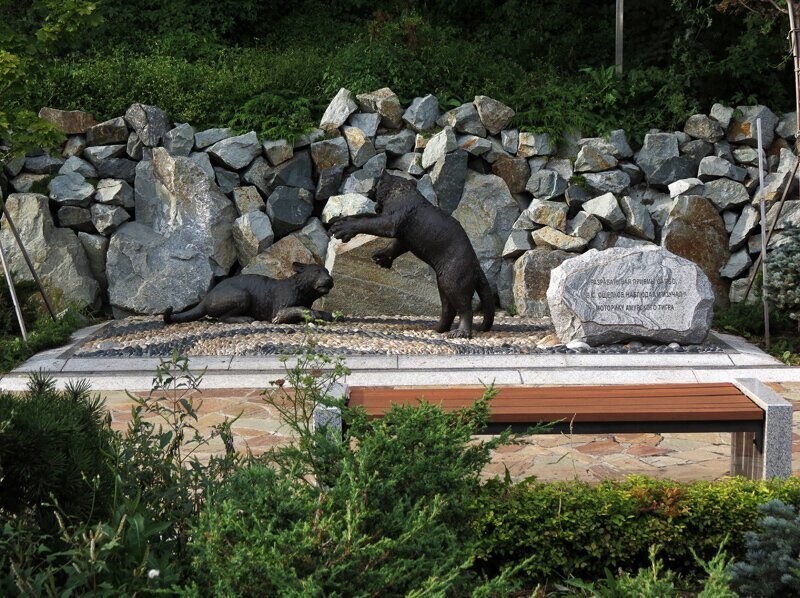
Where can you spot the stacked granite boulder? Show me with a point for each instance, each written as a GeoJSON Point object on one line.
{"type": "Point", "coordinates": [149, 212]}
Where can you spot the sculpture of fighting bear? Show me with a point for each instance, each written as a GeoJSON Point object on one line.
{"type": "Point", "coordinates": [249, 297]}
{"type": "Point", "coordinates": [433, 236]}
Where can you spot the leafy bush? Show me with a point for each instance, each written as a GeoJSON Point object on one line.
{"type": "Point", "coordinates": [9, 324]}
{"type": "Point", "coordinates": [771, 565]}
{"type": "Point", "coordinates": [53, 449]}
{"type": "Point", "coordinates": [45, 334]}
{"type": "Point", "coordinates": [388, 510]}
{"type": "Point", "coordinates": [574, 529]}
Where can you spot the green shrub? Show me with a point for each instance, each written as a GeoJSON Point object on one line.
{"type": "Point", "coordinates": [389, 510]}
{"type": "Point", "coordinates": [45, 334]}
{"type": "Point", "coordinates": [54, 448]}
{"type": "Point", "coordinates": [771, 564]}
{"type": "Point", "coordinates": [574, 529]}
{"type": "Point", "coordinates": [783, 276]}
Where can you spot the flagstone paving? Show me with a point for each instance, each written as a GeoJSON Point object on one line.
{"type": "Point", "coordinates": [676, 456]}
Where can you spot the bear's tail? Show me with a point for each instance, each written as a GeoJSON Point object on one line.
{"type": "Point", "coordinates": [487, 300]}
{"type": "Point", "coordinates": [190, 315]}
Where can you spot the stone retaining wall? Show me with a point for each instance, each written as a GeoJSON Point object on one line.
{"type": "Point", "coordinates": [140, 213]}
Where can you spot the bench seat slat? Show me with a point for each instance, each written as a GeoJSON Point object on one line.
{"type": "Point", "coordinates": [622, 403]}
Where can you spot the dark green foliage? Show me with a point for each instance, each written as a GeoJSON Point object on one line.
{"type": "Point", "coordinates": [53, 451]}
{"type": "Point", "coordinates": [45, 334]}
{"type": "Point", "coordinates": [574, 529]}
{"type": "Point", "coordinates": [771, 565]}
{"type": "Point", "coordinates": [273, 67]}
{"type": "Point", "coordinates": [388, 511]}
{"type": "Point", "coordinates": [9, 324]}
{"type": "Point", "coordinates": [748, 319]}
{"type": "Point", "coordinates": [783, 276]}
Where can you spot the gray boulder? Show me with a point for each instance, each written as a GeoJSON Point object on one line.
{"type": "Point", "coordinates": [227, 181]}
{"type": "Point", "coordinates": [43, 164]}
{"type": "Point", "coordinates": [98, 154]}
{"type": "Point", "coordinates": [487, 211]}
{"type": "Point", "coordinates": [509, 138]}
{"type": "Point", "coordinates": [71, 189]}
{"type": "Point", "coordinates": [584, 225]}
{"type": "Point", "coordinates": [440, 144]}
{"type": "Point", "coordinates": [742, 128]}
{"type": "Point", "coordinates": [725, 193]}
{"type": "Point", "coordinates": [76, 164]}
{"type": "Point", "coordinates": [338, 111]}
{"type": "Point", "coordinates": [514, 171]}
{"type": "Point", "coordinates": [693, 186]}
{"type": "Point", "coordinates": [548, 213]}
{"type": "Point", "coordinates": [114, 192]}
{"type": "Point", "coordinates": [252, 234]}
{"type": "Point", "coordinates": [464, 119]}
{"type": "Point", "coordinates": [328, 183]}
{"type": "Point", "coordinates": [737, 265]}
{"type": "Point", "coordinates": [591, 159]}
{"type": "Point", "coordinates": [534, 144]}
{"type": "Point", "coordinates": [532, 278]}
{"type": "Point", "coordinates": [396, 144]}
{"type": "Point", "coordinates": [350, 204]}
{"type": "Point", "coordinates": [117, 168]}
{"type": "Point", "coordinates": [617, 295]}
{"type": "Point", "coordinates": [330, 153]}
{"type": "Point", "coordinates": [519, 241]}
{"type": "Point", "coordinates": [109, 132]}
{"type": "Point", "coordinates": [410, 281]}
{"type": "Point", "coordinates": [423, 113]}
{"type": "Point", "coordinates": [606, 209]}
{"type": "Point", "coordinates": [386, 103]}
{"type": "Point", "coordinates": [787, 125]}
{"type": "Point", "coordinates": [494, 115]}
{"type": "Point", "coordinates": [107, 219]}
{"type": "Point", "coordinates": [696, 231]}
{"type": "Point", "coordinates": [551, 238]}
{"type": "Point", "coordinates": [639, 223]}
{"type": "Point", "coordinates": [546, 184]}
{"type": "Point", "coordinates": [204, 162]}
{"type": "Point", "coordinates": [146, 200]}
{"type": "Point", "coordinates": [26, 182]}
{"type": "Point", "coordinates": [315, 238]}
{"type": "Point", "coordinates": [722, 114]}
{"type": "Point", "coordinates": [76, 218]}
{"type": "Point", "coordinates": [366, 121]}
{"type": "Point", "coordinates": [96, 248]}
{"type": "Point", "coordinates": [276, 261]}
{"type": "Point", "coordinates": [149, 122]}
{"type": "Point", "coordinates": [248, 199]}
{"type": "Point", "coordinates": [209, 137]}
{"type": "Point", "coordinates": [364, 179]}
{"type": "Point", "coordinates": [278, 151]}
{"type": "Point", "coordinates": [236, 152]}
{"type": "Point", "coordinates": [361, 147]}
{"type": "Point", "coordinates": [180, 140]}
{"type": "Point", "coordinates": [474, 145]}
{"type": "Point", "coordinates": [148, 272]}
{"type": "Point", "coordinates": [447, 177]}
{"type": "Point", "coordinates": [56, 253]}
{"type": "Point", "coordinates": [704, 127]}
{"type": "Point", "coordinates": [191, 207]}
{"type": "Point", "coordinates": [288, 209]}
{"type": "Point", "coordinates": [609, 181]}
{"type": "Point", "coordinates": [712, 167]}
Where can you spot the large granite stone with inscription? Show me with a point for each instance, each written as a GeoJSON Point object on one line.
{"type": "Point", "coordinates": [637, 293]}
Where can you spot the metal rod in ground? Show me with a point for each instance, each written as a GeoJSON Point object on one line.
{"type": "Point", "coordinates": [27, 258]}
{"type": "Point", "coordinates": [764, 298]}
{"type": "Point", "coordinates": [12, 291]}
{"type": "Point", "coordinates": [619, 31]}
{"type": "Point", "coordinates": [778, 210]}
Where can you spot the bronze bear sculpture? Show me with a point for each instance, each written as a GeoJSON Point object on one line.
{"type": "Point", "coordinates": [433, 236]}
{"type": "Point", "coordinates": [249, 297]}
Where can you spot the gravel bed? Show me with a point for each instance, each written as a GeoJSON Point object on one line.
{"type": "Point", "coordinates": [378, 335]}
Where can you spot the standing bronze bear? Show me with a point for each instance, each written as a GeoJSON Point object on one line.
{"type": "Point", "coordinates": [433, 236]}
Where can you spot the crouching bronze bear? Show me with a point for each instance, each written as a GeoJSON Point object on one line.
{"type": "Point", "coordinates": [249, 297]}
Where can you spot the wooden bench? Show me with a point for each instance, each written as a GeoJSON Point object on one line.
{"type": "Point", "coordinates": [759, 420]}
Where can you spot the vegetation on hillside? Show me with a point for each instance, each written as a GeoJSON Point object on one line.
{"type": "Point", "coordinates": [273, 67]}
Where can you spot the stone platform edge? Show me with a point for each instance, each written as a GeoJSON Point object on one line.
{"type": "Point", "coordinates": [739, 359]}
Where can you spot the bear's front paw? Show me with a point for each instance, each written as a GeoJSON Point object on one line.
{"type": "Point", "coordinates": [343, 229]}
{"type": "Point", "coordinates": [382, 259]}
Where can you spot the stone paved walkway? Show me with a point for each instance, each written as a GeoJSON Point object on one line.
{"type": "Point", "coordinates": [681, 457]}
